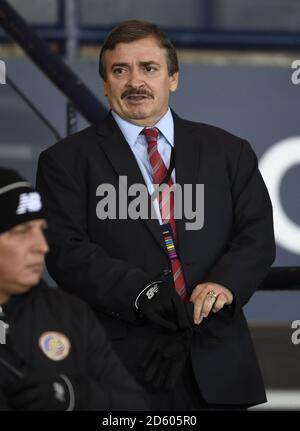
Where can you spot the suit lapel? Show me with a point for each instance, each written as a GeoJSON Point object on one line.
{"type": "Point", "coordinates": [124, 163]}
{"type": "Point", "coordinates": [186, 164]}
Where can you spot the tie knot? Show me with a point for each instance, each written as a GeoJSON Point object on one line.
{"type": "Point", "coordinates": [151, 134]}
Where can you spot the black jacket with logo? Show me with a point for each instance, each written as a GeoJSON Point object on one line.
{"type": "Point", "coordinates": [47, 310]}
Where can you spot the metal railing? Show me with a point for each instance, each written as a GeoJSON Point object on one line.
{"type": "Point", "coordinates": [282, 278]}
{"type": "Point", "coordinates": [209, 36]}
{"type": "Point", "coordinates": [51, 65]}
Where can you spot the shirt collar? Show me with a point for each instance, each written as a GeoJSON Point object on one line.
{"type": "Point", "coordinates": [131, 131]}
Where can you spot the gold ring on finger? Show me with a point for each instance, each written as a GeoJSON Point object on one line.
{"type": "Point", "coordinates": [212, 294]}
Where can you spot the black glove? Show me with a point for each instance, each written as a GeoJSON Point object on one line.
{"type": "Point", "coordinates": [166, 359]}
{"type": "Point", "coordinates": [54, 393]}
{"type": "Point", "coordinates": [160, 303]}
{"type": "Point", "coordinates": [168, 353]}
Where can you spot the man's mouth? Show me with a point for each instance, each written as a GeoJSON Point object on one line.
{"type": "Point", "coordinates": [137, 97]}
{"type": "Point", "coordinates": [36, 267]}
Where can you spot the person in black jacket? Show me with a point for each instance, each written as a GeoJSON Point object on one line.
{"type": "Point", "coordinates": [54, 355]}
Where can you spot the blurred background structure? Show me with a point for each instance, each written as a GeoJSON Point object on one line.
{"type": "Point", "coordinates": [236, 71]}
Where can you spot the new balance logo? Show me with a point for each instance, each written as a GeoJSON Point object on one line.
{"type": "Point", "coordinates": [152, 291]}
{"type": "Point", "coordinates": [29, 202]}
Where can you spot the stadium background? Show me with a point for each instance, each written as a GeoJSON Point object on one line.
{"type": "Point", "coordinates": [235, 72]}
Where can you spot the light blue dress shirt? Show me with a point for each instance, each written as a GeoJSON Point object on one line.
{"type": "Point", "coordinates": [138, 145]}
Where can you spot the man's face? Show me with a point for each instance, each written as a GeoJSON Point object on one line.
{"type": "Point", "coordinates": [22, 256]}
{"type": "Point", "coordinates": [137, 82]}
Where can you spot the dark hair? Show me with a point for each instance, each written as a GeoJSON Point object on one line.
{"type": "Point", "coordinates": [130, 31]}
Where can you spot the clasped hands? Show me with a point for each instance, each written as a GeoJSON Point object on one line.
{"type": "Point", "coordinates": [160, 304]}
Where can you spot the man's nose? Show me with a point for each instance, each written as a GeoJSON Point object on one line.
{"type": "Point", "coordinates": [40, 242]}
{"type": "Point", "coordinates": [135, 78]}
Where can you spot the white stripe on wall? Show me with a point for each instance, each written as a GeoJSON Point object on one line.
{"type": "Point", "coordinates": [281, 400]}
{"type": "Point", "coordinates": [16, 151]}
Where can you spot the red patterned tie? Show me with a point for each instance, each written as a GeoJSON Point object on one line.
{"type": "Point", "coordinates": [166, 202]}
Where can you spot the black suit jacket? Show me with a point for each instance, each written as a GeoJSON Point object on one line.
{"type": "Point", "coordinates": [107, 262]}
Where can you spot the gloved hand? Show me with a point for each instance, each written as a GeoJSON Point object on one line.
{"type": "Point", "coordinates": [60, 392]}
{"type": "Point", "coordinates": [166, 359]}
{"type": "Point", "coordinates": [168, 353]}
{"type": "Point", "coordinates": [160, 303]}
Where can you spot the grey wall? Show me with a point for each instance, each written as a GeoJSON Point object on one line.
{"type": "Point", "coordinates": [185, 14]}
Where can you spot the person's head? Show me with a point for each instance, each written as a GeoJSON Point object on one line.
{"type": "Point", "coordinates": [22, 242]}
{"type": "Point", "coordinates": [139, 68]}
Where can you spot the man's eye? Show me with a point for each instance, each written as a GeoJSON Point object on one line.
{"type": "Point", "coordinates": [150, 68]}
{"type": "Point", "coordinates": [21, 230]}
{"type": "Point", "coordinates": [118, 71]}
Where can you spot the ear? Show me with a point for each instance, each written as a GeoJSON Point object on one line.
{"type": "Point", "coordinates": [173, 81]}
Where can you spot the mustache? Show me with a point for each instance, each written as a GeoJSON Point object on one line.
{"type": "Point", "coordinates": [136, 92]}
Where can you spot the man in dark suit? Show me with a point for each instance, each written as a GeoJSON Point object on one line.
{"type": "Point", "coordinates": [159, 282]}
